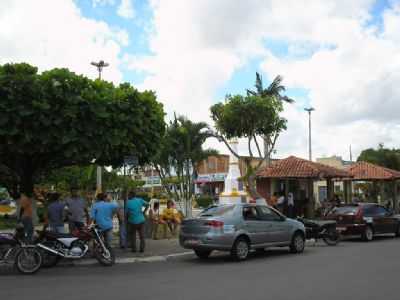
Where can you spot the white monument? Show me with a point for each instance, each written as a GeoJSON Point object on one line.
{"type": "Point", "coordinates": [231, 193]}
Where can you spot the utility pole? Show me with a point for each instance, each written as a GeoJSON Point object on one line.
{"type": "Point", "coordinates": [100, 66]}
{"type": "Point", "coordinates": [309, 110]}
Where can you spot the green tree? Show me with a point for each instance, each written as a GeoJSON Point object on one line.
{"type": "Point", "coordinates": [180, 152]}
{"type": "Point", "coordinates": [249, 117]}
{"type": "Point", "coordinates": [274, 90]}
{"type": "Point", "coordinates": [385, 157]}
{"type": "Point", "coordinates": [57, 119]}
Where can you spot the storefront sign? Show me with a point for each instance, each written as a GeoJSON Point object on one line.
{"type": "Point", "coordinates": [215, 177]}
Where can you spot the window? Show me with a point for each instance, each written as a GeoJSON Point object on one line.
{"type": "Point", "coordinates": [267, 214]}
{"type": "Point", "coordinates": [344, 210]}
{"type": "Point", "coordinates": [250, 213]}
{"type": "Point", "coordinates": [380, 211]}
{"type": "Point", "coordinates": [369, 211]}
{"type": "Point", "coordinates": [217, 210]}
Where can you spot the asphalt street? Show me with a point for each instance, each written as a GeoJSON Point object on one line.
{"type": "Point", "coordinates": [352, 270]}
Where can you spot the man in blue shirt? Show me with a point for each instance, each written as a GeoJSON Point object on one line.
{"type": "Point", "coordinates": [136, 219]}
{"type": "Point", "coordinates": [102, 213]}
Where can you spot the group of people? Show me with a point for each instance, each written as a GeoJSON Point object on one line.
{"type": "Point", "coordinates": [283, 204]}
{"type": "Point", "coordinates": [75, 211]}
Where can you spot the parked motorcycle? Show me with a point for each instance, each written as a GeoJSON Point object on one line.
{"type": "Point", "coordinates": [317, 229]}
{"type": "Point", "coordinates": [14, 251]}
{"type": "Point", "coordinates": [55, 246]}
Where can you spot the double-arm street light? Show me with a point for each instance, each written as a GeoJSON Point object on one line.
{"type": "Point", "coordinates": [100, 66]}
{"type": "Point", "coordinates": [309, 110]}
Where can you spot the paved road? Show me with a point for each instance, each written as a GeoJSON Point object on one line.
{"type": "Point", "coordinates": [352, 270]}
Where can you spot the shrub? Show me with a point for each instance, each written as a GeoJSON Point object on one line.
{"type": "Point", "coordinates": [204, 201]}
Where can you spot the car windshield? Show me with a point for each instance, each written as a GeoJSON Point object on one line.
{"type": "Point", "coordinates": [220, 210]}
{"type": "Point", "coordinates": [345, 210]}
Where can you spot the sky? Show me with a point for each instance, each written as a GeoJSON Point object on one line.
{"type": "Point", "coordinates": [341, 57]}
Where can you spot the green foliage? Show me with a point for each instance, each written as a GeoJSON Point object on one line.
{"type": "Point", "coordinates": [84, 178]}
{"type": "Point", "coordinates": [180, 152]}
{"type": "Point", "coordinates": [246, 116]}
{"type": "Point", "coordinates": [204, 201]}
{"type": "Point", "coordinates": [251, 116]}
{"type": "Point", "coordinates": [58, 119]}
{"type": "Point", "coordinates": [144, 196]}
{"type": "Point", "coordinates": [385, 157]}
{"type": "Point", "coordinates": [7, 223]}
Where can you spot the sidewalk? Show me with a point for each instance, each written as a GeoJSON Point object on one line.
{"type": "Point", "coordinates": [156, 250]}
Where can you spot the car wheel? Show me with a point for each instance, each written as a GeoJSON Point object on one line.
{"type": "Point", "coordinates": [298, 243]}
{"type": "Point", "coordinates": [202, 254]}
{"type": "Point", "coordinates": [240, 249]}
{"type": "Point", "coordinates": [368, 234]}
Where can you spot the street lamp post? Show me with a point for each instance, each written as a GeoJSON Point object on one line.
{"type": "Point", "coordinates": [100, 66]}
{"type": "Point", "coordinates": [309, 110]}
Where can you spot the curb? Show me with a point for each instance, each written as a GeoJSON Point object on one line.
{"type": "Point", "coordinates": [130, 260]}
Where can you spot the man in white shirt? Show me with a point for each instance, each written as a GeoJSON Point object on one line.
{"type": "Point", "coordinates": [290, 204]}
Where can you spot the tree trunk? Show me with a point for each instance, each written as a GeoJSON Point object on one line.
{"type": "Point", "coordinates": [251, 184]}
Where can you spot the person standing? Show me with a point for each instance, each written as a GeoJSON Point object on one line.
{"type": "Point", "coordinates": [280, 204]}
{"type": "Point", "coordinates": [56, 213]}
{"type": "Point", "coordinates": [26, 216]}
{"type": "Point", "coordinates": [290, 204]}
{"type": "Point", "coordinates": [102, 213]}
{"type": "Point", "coordinates": [136, 219]}
{"type": "Point", "coordinates": [273, 200]}
{"type": "Point", "coordinates": [121, 222]}
{"type": "Point", "coordinates": [77, 210]}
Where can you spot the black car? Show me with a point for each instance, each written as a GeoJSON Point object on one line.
{"type": "Point", "coordinates": [365, 220]}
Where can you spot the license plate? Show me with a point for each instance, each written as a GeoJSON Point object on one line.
{"type": "Point", "coordinates": [340, 229]}
{"type": "Point", "coordinates": [191, 242]}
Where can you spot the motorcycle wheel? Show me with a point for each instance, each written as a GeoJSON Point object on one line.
{"type": "Point", "coordinates": [28, 260]}
{"type": "Point", "coordinates": [332, 237]}
{"type": "Point", "coordinates": [105, 258]}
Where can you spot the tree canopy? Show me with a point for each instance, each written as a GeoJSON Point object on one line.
{"type": "Point", "coordinates": [249, 117]}
{"type": "Point", "coordinates": [180, 152]}
{"type": "Point", "coordinates": [385, 157]}
{"type": "Point", "coordinates": [58, 118]}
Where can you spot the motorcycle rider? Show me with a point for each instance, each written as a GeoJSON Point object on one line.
{"type": "Point", "coordinates": [102, 213]}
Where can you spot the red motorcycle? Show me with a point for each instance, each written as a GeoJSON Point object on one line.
{"type": "Point", "coordinates": [55, 246]}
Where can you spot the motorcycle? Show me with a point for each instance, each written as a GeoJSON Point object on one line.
{"type": "Point", "coordinates": [317, 229]}
{"type": "Point", "coordinates": [14, 251]}
{"type": "Point", "coordinates": [55, 246]}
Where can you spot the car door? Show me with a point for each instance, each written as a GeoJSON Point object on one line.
{"type": "Point", "coordinates": [276, 230]}
{"type": "Point", "coordinates": [376, 214]}
{"type": "Point", "coordinates": [388, 224]}
{"type": "Point", "coordinates": [253, 225]}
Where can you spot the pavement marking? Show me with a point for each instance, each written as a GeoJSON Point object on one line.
{"type": "Point", "coordinates": [129, 260]}
{"type": "Point", "coordinates": [179, 254]}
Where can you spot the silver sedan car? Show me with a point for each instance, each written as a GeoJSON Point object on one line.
{"type": "Point", "coordinates": [238, 228]}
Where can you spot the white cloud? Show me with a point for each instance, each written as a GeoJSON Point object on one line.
{"type": "Point", "coordinates": [353, 85]}
{"type": "Point", "coordinates": [126, 10]}
{"type": "Point", "coordinates": [198, 45]}
{"type": "Point", "coordinates": [51, 34]}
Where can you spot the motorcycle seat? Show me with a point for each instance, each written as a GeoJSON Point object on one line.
{"type": "Point", "coordinates": [56, 235]}
{"type": "Point", "coordinates": [320, 222]}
